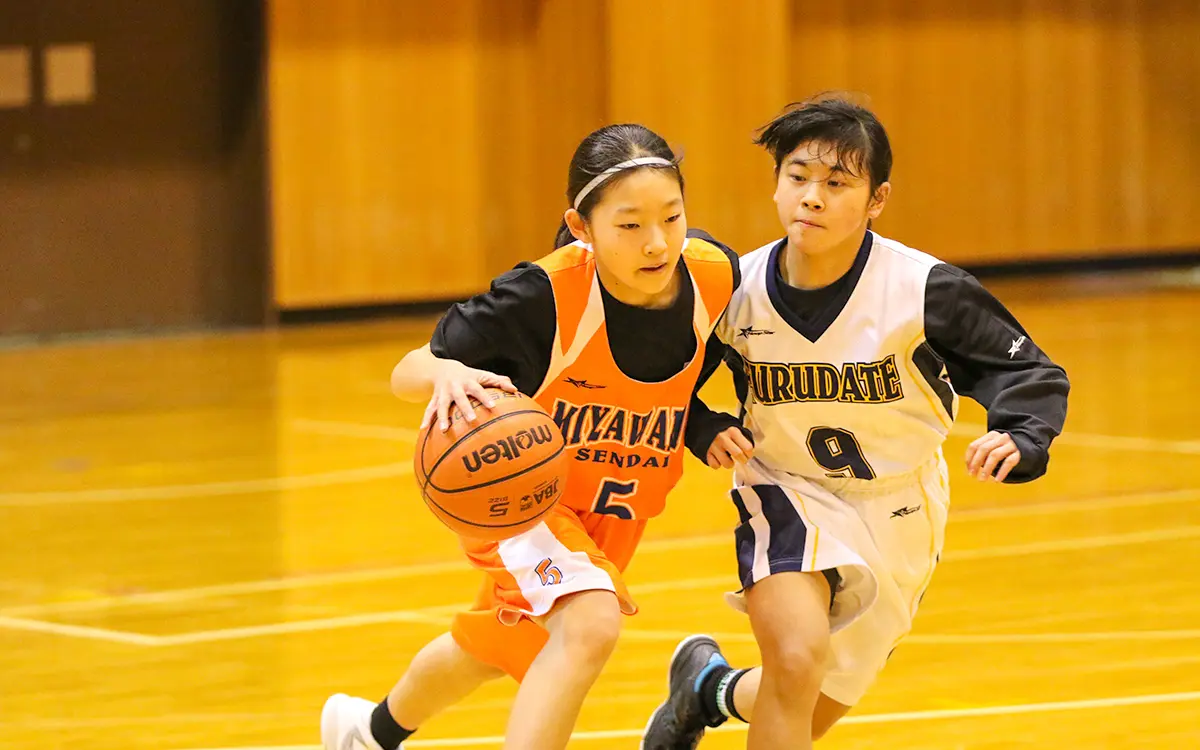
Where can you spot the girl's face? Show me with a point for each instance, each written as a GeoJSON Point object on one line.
{"type": "Point", "coordinates": [822, 204]}
{"type": "Point", "coordinates": [637, 230]}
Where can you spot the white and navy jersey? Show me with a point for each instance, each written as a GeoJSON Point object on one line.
{"type": "Point", "coordinates": [861, 379]}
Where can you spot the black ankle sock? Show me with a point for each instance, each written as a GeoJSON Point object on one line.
{"type": "Point", "coordinates": [385, 730]}
{"type": "Point", "coordinates": [708, 695]}
{"type": "Point", "coordinates": [729, 691]}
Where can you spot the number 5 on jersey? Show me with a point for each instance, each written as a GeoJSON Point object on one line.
{"type": "Point", "coordinates": [606, 499]}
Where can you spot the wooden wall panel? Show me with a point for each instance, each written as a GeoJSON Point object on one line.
{"type": "Point", "coordinates": [375, 151]}
{"type": "Point", "coordinates": [1169, 31]}
{"type": "Point", "coordinates": [142, 209]}
{"type": "Point", "coordinates": [544, 89]}
{"type": "Point", "coordinates": [1021, 130]}
{"type": "Point", "coordinates": [705, 74]}
{"type": "Point", "coordinates": [419, 150]}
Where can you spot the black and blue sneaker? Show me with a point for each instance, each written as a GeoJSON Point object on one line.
{"type": "Point", "coordinates": [679, 723]}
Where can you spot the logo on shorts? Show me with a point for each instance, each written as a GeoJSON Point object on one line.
{"type": "Point", "coordinates": [905, 511]}
{"type": "Point", "coordinates": [548, 572]}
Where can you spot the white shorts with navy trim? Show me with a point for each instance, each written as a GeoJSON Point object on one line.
{"type": "Point", "coordinates": [884, 538]}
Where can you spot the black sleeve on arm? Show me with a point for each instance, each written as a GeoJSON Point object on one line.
{"type": "Point", "coordinates": [704, 424]}
{"type": "Point", "coordinates": [508, 330]}
{"type": "Point", "coordinates": [990, 358]}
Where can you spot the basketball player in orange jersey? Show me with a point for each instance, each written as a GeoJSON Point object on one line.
{"type": "Point", "coordinates": [609, 335]}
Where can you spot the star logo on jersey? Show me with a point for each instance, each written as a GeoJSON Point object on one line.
{"type": "Point", "coordinates": [905, 511]}
{"type": "Point", "coordinates": [749, 331]}
{"type": "Point", "coordinates": [1016, 347]}
{"type": "Point", "coordinates": [583, 384]}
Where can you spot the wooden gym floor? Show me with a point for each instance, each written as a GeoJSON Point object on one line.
{"type": "Point", "coordinates": [201, 537]}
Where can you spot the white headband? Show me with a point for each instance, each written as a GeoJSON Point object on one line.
{"type": "Point", "coordinates": [642, 161]}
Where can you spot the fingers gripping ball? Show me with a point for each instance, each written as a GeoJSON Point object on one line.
{"type": "Point", "coordinates": [496, 477]}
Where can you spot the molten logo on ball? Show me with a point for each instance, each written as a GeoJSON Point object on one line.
{"type": "Point", "coordinates": [497, 477]}
{"type": "Point", "coordinates": [507, 448]}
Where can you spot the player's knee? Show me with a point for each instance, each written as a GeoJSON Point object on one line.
{"type": "Point", "coordinates": [589, 629]}
{"type": "Point", "coordinates": [797, 665]}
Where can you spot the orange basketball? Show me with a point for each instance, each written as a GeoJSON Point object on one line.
{"type": "Point", "coordinates": [496, 477]}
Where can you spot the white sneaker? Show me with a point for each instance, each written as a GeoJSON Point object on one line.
{"type": "Point", "coordinates": [346, 724]}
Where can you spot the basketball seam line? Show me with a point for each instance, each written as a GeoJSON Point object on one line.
{"type": "Point", "coordinates": [457, 442]}
{"type": "Point", "coordinates": [490, 482]}
{"type": "Point", "coordinates": [429, 475]}
{"type": "Point", "coordinates": [540, 513]}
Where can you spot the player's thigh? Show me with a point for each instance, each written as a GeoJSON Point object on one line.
{"type": "Point", "coordinates": [532, 576]}
{"type": "Point", "coordinates": [789, 614]}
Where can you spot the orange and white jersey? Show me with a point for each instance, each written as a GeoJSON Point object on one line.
{"type": "Point", "coordinates": [625, 436]}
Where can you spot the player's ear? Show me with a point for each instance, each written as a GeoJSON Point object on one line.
{"type": "Point", "coordinates": [578, 226]}
{"type": "Point", "coordinates": [879, 200]}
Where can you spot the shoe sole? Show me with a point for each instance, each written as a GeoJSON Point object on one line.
{"type": "Point", "coordinates": [646, 729]}
{"type": "Point", "coordinates": [674, 655]}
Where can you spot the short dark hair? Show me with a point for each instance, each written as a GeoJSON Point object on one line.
{"type": "Point", "coordinates": [852, 131]}
{"type": "Point", "coordinates": [603, 149]}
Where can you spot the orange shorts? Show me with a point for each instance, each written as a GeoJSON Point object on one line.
{"type": "Point", "coordinates": [571, 551]}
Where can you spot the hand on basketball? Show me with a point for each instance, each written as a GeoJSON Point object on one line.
{"type": "Point", "coordinates": [728, 446]}
{"type": "Point", "coordinates": [995, 449]}
{"type": "Point", "coordinates": [455, 384]}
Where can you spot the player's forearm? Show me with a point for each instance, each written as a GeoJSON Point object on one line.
{"type": "Point", "coordinates": [413, 376]}
{"type": "Point", "coordinates": [703, 426]}
{"type": "Point", "coordinates": [1032, 407]}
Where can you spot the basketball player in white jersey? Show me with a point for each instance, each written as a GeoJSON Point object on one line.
{"type": "Point", "coordinates": [849, 352]}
